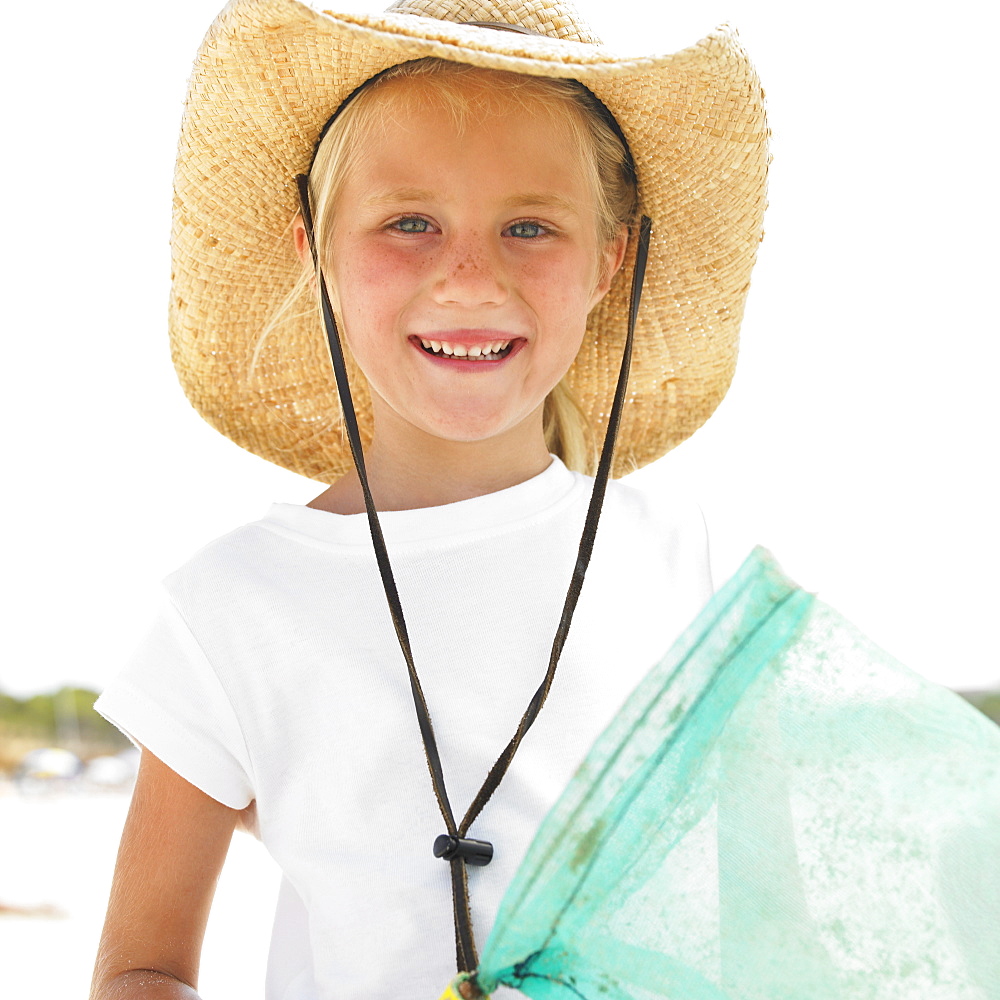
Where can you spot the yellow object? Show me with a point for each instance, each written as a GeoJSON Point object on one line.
{"type": "Point", "coordinates": [451, 993]}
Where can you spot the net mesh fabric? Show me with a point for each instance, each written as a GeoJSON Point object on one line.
{"type": "Point", "coordinates": [780, 811]}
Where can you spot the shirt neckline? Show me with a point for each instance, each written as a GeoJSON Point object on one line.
{"type": "Point", "coordinates": [474, 516]}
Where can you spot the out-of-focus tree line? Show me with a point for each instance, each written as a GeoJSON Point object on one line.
{"type": "Point", "coordinates": [988, 702]}
{"type": "Point", "coordinates": [64, 718]}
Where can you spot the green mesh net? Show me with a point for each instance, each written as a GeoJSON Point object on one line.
{"type": "Point", "coordinates": [779, 812]}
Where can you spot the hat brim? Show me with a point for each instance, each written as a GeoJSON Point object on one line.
{"type": "Point", "coordinates": [267, 78]}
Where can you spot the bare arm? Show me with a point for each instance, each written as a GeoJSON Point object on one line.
{"type": "Point", "coordinates": [173, 846]}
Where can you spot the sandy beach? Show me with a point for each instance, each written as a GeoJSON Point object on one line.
{"type": "Point", "coordinates": [57, 854]}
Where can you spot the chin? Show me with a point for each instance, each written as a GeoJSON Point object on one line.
{"type": "Point", "coordinates": [464, 422]}
{"type": "Point", "coordinates": [473, 430]}
{"type": "Point", "coordinates": [467, 435]}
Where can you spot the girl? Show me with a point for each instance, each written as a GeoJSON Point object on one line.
{"type": "Point", "coordinates": [468, 221]}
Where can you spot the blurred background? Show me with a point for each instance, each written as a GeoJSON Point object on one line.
{"type": "Point", "coordinates": [858, 441]}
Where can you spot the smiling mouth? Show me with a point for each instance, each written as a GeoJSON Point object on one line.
{"type": "Point", "coordinates": [488, 351]}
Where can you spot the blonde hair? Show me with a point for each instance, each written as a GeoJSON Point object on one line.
{"type": "Point", "coordinates": [605, 158]}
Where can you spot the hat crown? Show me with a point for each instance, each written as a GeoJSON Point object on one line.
{"type": "Point", "coordinates": [545, 17]}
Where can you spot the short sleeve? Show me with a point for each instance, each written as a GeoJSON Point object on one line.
{"type": "Point", "coordinates": [169, 699]}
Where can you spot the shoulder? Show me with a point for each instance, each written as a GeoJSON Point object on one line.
{"type": "Point", "coordinates": [661, 531]}
{"type": "Point", "coordinates": [229, 555]}
{"type": "Point", "coordinates": [664, 510]}
{"type": "Point", "coordinates": [260, 549]}
{"type": "Point", "coordinates": [296, 532]}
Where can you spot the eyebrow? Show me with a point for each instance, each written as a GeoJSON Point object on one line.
{"type": "Point", "coordinates": [529, 199]}
{"type": "Point", "coordinates": [399, 194]}
{"type": "Point", "coordinates": [533, 200]}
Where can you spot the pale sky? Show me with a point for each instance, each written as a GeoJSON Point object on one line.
{"type": "Point", "coordinates": [857, 442]}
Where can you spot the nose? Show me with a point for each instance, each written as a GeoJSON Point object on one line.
{"type": "Point", "coordinates": [470, 273]}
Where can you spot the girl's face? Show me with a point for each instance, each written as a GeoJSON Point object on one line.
{"type": "Point", "coordinates": [464, 264]}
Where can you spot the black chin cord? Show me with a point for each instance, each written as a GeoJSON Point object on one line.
{"type": "Point", "coordinates": [455, 846]}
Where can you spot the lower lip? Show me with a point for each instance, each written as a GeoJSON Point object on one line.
{"type": "Point", "coordinates": [463, 364]}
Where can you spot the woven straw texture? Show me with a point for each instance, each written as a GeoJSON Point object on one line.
{"type": "Point", "coordinates": [268, 76]}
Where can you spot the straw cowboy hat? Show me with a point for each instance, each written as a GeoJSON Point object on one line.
{"type": "Point", "coordinates": [268, 77]}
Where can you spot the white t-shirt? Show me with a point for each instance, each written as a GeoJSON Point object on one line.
{"type": "Point", "coordinates": [274, 674]}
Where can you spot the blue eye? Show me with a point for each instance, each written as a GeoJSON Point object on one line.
{"type": "Point", "coordinates": [525, 230]}
{"type": "Point", "coordinates": [412, 225]}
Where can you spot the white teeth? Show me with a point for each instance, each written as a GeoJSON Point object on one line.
{"type": "Point", "coordinates": [490, 351]}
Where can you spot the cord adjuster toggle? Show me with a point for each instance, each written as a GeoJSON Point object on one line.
{"type": "Point", "coordinates": [473, 852]}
